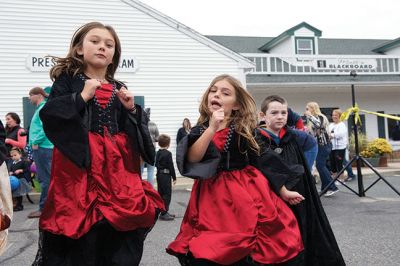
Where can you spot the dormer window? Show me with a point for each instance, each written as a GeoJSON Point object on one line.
{"type": "Point", "coordinates": [304, 45]}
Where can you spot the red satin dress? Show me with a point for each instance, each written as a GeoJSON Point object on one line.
{"type": "Point", "coordinates": [111, 189]}
{"type": "Point", "coordinates": [234, 215]}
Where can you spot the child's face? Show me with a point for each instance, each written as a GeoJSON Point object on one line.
{"type": "Point", "coordinates": [98, 48]}
{"type": "Point", "coordinates": [276, 116]}
{"type": "Point", "coordinates": [10, 122]}
{"type": "Point", "coordinates": [222, 95]}
{"type": "Point", "coordinates": [15, 156]}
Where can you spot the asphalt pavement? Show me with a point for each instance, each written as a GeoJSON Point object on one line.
{"type": "Point", "coordinates": [366, 228]}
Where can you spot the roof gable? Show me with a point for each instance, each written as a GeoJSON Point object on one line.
{"type": "Point", "coordinates": [286, 34]}
{"type": "Point", "coordinates": [387, 46]}
{"type": "Point", "coordinates": [242, 61]}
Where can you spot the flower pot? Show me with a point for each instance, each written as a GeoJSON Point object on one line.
{"type": "Point", "coordinates": [374, 161]}
{"type": "Point", "coordinates": [383, 161]}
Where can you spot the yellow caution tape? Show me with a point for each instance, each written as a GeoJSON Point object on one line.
{"type": "Point", "coordinates": [355, 110]}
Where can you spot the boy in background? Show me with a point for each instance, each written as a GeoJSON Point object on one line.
{"type": "Point", "coordinates": [165, 172]}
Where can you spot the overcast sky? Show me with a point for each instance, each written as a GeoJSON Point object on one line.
{"type": "Point", "coordinates": [352, 19]}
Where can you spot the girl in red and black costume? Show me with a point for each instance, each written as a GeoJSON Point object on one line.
{"type": "Point", "coordinates": [98, 209]}
{"type": "Point", "coordinates": [233, 217]}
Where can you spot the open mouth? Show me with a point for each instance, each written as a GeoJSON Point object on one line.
{"type": "Point", "coordinates": [215, 104]}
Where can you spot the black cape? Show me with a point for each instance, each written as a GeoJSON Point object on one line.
{"type": "Point", "coordinates": [321, 248]}
{"type": "Point", "coordinates": [67, 120]}
{"type": "Point", "coordinates": [3, 149]}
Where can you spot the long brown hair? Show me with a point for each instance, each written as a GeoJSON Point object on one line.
{"type": "Point", "coordinates": [244, 118]}
{"type": "Point", "coordinates": [73, 63]}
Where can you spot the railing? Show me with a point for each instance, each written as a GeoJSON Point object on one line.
{"type": "Point", "coordinates": [324, 64]}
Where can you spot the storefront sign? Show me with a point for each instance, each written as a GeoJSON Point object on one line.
{"type": "Point", "coordinates": [43, 63]}
{"type": "Point", "coordinates": [345, 64]}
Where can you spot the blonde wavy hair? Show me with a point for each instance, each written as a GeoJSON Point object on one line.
{"type": "Point", "coordinates": [314, 108]}
{"type": "Point", "coordinates": [244, 118]}
{"type": "Point", "coordinates": [73, 63]}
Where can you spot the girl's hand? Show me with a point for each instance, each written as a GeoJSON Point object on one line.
{"type": "Point", "coordinates": [18, 171]}
{"type": "Point", "coordinates": [216, 119]}
{"type": "Point", "coordinates": [7, 141]}
{"type": "Point", "coordinates": [126, 98]}
{"type": "Point", "coordinates": [292, 197]}
{"type": "Point", "coordinates": [90, 88]}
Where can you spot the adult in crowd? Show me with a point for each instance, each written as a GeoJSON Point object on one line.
{"type": "Point", "coordinates": [184, 130]}
{"type": "Point", "coordinates": [41, 146]}
{"type": "Point", "coordinates": [154, 133]}
{"type": "Point", "coordinates": [318, 124]}
{"type": "Point", "coordinates": [6, 205]}
{"type": "Point", "coordinates": [15, 134]}
{"type": "Point", "coordinates": [339, 138]}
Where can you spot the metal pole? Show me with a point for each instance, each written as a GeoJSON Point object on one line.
{"type": "Point", "coordinates": [361, 192]}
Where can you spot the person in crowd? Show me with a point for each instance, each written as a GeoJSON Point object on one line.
{"type": "Point", "coordinates": [98, 210]}
{"type": "Point", "coordinates": [233, 217]}
{"type": "Point", "coordinates": [165, 174]}
{"type": "Point", "coordinates": [154, 133]}
{"type": "Point", "coordinates": [276, 139]}
{"type": "Point", "coordinates": [350, 174]}
{"type": "Point", "coordinates": [6, 205]}
{"type": "Point", "coordinates": [15, 134]}
{"type": "Point", "coordinates": [184, 130]}
{"type": "Point", "coordinates": [18, 168]}
{"type": "Point", "coordinates": [294, 120]}
{"type": "Point", "coordinates": [42, 147]}
{"type": "Point", "coordinates": [318, 124]}
{"type": "Point", "coordinates": [307, 143]}
{"type": "Point", "coordinates": [340, 140]}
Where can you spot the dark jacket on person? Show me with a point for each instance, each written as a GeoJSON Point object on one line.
{"type": "Point", "coordinates": [67, 119]}
{"type": "Point", "coordinates": [319, 241]}
{"type": "Point", "coordinates": [3, 149]}
{"type": "Point", "coordinates": [181, 133]}
{"type": "Point", "coordinates": [164, 162]}
{"type": "Point", "coordinates": [20, 165]}
{"type": "Point", "coordinates": [236, 157]}
{"type": "Point", "coordinates": [305, 140]}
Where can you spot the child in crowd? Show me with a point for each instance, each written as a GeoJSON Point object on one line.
{"type": "Point", "coordinates": [98, 210]}
{"type": "Point", "coordinates": [233, 217]}
{"type": "Point", "coordinates": [165, 172]}
{"type": "Point", "coordinates": [18, 168]}
{"type": "Point", "coordinates": [276, 139]}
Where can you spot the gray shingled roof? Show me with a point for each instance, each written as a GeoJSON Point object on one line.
{"type": "Point", "coordinates": [240, 44]}
{"type": "Point", "coordinates": [262, 79]}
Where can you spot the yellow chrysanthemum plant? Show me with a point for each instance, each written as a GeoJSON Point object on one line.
{"type": "Point", "coordinates": [377, 147]}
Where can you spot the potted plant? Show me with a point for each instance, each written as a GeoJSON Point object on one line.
{"type": "Point", "coordinates": [377, 151]}
{"type": "Point", "coordinates": [362, 145]}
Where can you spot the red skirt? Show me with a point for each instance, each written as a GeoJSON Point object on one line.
{"type": "Point", "coordinates": [235, 215]}
{"type": "Point", "coordinates": [111, 189]}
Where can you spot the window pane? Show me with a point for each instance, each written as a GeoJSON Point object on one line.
{"type": "Point", "coordinates": [304, 52]}
{"type": "Point", "coordinates": [394, 128]}
{"type": "Point", "coordinates": [304, 44]}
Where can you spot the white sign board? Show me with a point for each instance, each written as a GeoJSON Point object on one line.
{"type": "Point", "coordinates": [43, 63]}
{"type": "Point", "coordinates": [345, 64]}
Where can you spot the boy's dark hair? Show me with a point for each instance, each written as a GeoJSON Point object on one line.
{"type": "Point", "coordinates": [164, 140]}
{"type": "Point", "coordinates": [270, 99]}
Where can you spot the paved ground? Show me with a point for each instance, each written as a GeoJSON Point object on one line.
{"type": "Point", "coordinates": [367, 229]}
